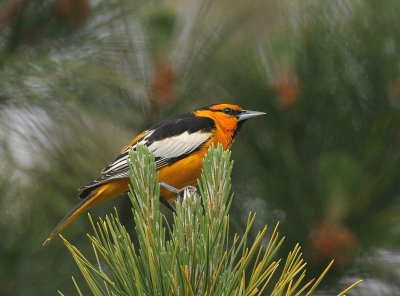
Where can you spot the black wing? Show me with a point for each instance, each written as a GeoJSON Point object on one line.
{"type": "Point", "coordinates": [170, 141]}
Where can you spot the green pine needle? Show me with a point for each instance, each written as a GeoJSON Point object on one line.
{"type": "Point", "coordinates": [199, 258]}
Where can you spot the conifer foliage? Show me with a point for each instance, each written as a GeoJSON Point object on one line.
{"type": "Point", "coordinates": [194, 255]}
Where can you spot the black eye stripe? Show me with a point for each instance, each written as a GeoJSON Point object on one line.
{"type": "Point", "coordinates": [230, 111]}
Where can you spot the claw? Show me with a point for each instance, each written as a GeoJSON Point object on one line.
{"type": "Point", "coordinates": [179, 192]}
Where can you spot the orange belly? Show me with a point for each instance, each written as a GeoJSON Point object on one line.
{"type": "Point", "coordinates": [182, 173]}
{"type": "Point", "coordinates": [179, 174]}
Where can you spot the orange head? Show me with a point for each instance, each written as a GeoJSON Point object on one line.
{"type": "Point", "coordinates": [228, 117]}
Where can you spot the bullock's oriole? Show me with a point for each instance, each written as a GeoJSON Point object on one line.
{"type": "Point", "coordinates": [179, 145]}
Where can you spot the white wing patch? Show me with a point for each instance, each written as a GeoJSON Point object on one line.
{"type": "Point", "coordinates": [178, 145]}
{"type": "Point", "coordinates": [164, 150]}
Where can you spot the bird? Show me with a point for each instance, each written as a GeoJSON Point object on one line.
{"type": "Point", "coordinates": [179, 145]}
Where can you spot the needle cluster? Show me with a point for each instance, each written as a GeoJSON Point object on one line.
{"type": "Point", "coordinates": [194, 255]}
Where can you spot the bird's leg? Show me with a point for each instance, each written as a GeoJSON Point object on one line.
{"type": "Point", "coordinates": [179, 192]}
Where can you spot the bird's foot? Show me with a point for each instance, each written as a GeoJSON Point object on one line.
{"type": "Point", "coordinates": [179, 192]}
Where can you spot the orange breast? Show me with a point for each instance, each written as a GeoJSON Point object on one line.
{"type": "Point", "coordinates": [182, 173]}
{"type": "Point", "coordinates": [188, 170]}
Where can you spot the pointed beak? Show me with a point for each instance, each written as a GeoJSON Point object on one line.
{"type": "Point", "coordinates": [247, 114]}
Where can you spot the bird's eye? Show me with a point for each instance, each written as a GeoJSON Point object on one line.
{"type": "Point", "coordinates": [229, 111]}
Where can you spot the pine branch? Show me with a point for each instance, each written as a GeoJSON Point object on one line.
{"type": "Point", "coordinates": [199, 258]}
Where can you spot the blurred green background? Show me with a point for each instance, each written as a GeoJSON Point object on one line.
{"type": "Point", "coordinates": [80, 78]}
